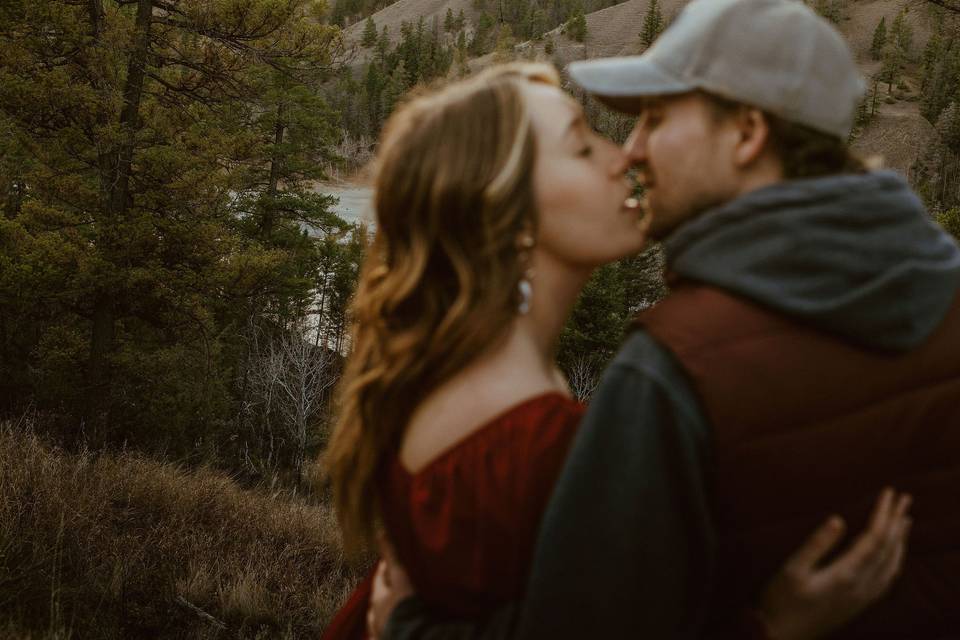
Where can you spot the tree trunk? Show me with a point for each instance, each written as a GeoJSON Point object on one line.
{"type": "Point", "coordinates": [95, 7]}
{"type": "Point", "coordinates": [267, 222]}
{"type": "Point", "coordinates": [103, 330]}
{"type": "Point", "coordinates": [130, 116]}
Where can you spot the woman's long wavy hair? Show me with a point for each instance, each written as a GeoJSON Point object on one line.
{"type": "Point", "coordinates": [454, 190]}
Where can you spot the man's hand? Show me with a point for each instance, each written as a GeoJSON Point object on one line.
{"type": "Point", "coordinates": [807, 600]}
{"type": "Point", "coordinates": [390, 586]}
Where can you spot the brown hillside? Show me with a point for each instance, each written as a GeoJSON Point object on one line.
{"type": "Point", "coordinates": [395, 14]}
{"type": "Point", "coordinates": [864, 16]}
{"type": "Point", "coordinates": [614, 31]}
{"type": "Point", "coordinates": [899, 135]}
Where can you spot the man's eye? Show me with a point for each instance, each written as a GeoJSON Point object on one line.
{"type": "Point", "coordinates": [585, 152]}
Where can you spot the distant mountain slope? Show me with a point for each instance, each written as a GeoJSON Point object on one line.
{"type": "Point", "coordinates": [614, 31]}
{"type": "Point", "coordinates": [899, 133]}
{"type": "Point", "coordinates": [410, 11]}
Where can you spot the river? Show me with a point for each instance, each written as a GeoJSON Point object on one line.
{"type": "Point", "coordinates": [356, 202]}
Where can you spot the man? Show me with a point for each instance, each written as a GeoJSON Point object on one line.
{"type": "Point", "coordinates": [808, 355]}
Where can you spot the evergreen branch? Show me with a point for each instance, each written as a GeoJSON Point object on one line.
{"type": "Point", "coordinates": [949, 5]}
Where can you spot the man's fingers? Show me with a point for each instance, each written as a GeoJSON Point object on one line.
{"type": "Point", "coordinates": [387, 550]}
{"type": "Point", "coordinates": [873, 548]}
{"type": "Point", "coordinates": [394, 570]}
{"type": "Point", "coordinates": [881, 512]}
{"type": "Point", "coordinates": [881, 579]}
{"type": "Point", "coordinates": [817, 546]}
{"type": "Point", "coordinates": [399, 579]}
{"type": "Point", "coordinates": [371, 624]}
{"type": "Point", "coordinates": [893, 564]}
{"type": "Point", "coordinates": [380, 586]}
{"type": "Point", "coordinates": [396, 574]}
{"type": "Point", "coordinates": [903, 507]}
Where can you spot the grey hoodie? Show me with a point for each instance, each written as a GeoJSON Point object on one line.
{"type": "Point", "coordinates": [627, 544]}
{"type": "Point", "coordinates": [855, 255]}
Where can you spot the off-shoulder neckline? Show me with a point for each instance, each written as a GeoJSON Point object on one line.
{"type": "Point", "coordinates": [484, 428]}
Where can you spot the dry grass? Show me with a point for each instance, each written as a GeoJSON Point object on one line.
{"type": "Point", "coordinates": [99, 546]}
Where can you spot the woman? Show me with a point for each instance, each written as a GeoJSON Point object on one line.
{"type": "Point", "coordinates": [495, 202]}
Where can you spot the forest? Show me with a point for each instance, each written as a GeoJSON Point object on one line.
{"type": "Point", "coordinates": [165, 247]}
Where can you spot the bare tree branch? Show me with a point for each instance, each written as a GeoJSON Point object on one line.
{"type": "Point", "coordinates": [583, 377]}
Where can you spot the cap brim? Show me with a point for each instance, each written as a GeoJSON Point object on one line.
{"type": "Point", "coordinates": [623, 83]}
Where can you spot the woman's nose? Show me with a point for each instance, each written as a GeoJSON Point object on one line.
{"type": "Point", "coordinates": [620, 163]}
{"type": "Point", "coordinates": [635, 148]}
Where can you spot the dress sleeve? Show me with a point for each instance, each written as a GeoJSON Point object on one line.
{"type": "Point", "coordinates": [627, 545]}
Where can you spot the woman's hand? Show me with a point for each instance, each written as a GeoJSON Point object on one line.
{"type": "Point", "coordinates": [806, 600]}
{"type": "Point", "coordinates": [390, 586]}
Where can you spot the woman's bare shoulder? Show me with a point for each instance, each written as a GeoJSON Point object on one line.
{"type": "Point", "coordinates": [463, 405]}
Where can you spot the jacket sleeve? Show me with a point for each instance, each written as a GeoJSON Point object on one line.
{"type": "Point", "coordinates": [412, 619]}
{"type": "Point", "coordinates": [627, 543]}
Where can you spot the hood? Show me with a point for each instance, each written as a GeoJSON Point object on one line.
{"type": "Point", "coordinates": [856, 255]}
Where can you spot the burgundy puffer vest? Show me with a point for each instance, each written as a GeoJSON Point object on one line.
{"type": "Point", "coordinates": [805, 425]}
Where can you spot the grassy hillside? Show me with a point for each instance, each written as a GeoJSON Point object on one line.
{"type": "Point", "coordinates": [102, 546]}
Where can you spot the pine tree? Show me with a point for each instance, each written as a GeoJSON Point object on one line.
{"type": "Point", "coordinates": [538, 23]}
{"type": "Point", "coordinates": [373, 96]}
{"type": "Point", "coordinates": [890, 71]}
{"type": "Point", "coordinates": [481, 35]}
{"type": "Point", "coordinates": [576, 26]}
{"type": "Point", "coordinates": [383, 44]}
{"type": "Point", "coordinates": [902, 33]}
{"type": "Point", "coordinates": [396, 85]}
{"type": "Point", "coordinates": [652, 24]}
{"type": "Point", "coordinates": [505, 44]}
{"type": "Point", "coordinates": [948, 126]}
{"type": "Point", "coordinates": [949, 219]}
{"type": "Point", "coordinates": [832, 10]}
{"type": "Point", "coordinates": [936, 94]}
{"type": "Point", "coordinates": [932, 52]}
{"type": "Point", "coordinates": [449, 22]}
{"type": "Point", "coordinates": [879, 39]}
{"type": "Point", "coordinates": [369, 33]}
{"type": "Point", "coordinates": [163, 203]}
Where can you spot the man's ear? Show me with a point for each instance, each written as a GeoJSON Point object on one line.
{"type": "Point", "coordinates": [753, 131]}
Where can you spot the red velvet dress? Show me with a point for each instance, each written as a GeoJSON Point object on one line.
{"type": "Point", "coordinates": [465, 525]}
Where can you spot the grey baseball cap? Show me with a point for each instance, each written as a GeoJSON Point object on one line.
{"type": "Point", "coordinates": [777, 55]}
